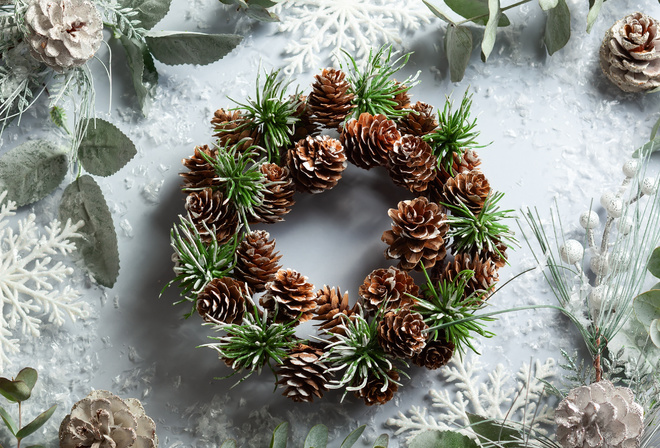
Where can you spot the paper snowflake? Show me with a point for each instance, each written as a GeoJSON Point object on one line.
{"type": "Point", "coordinates": [498, 398]}
{"type": "Point", "coordinates": [28, 274]}
{"type": "Point", "coordinates": [322, 27]}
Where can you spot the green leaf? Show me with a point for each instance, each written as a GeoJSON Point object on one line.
{"type": "Point", "coordinates": [442, 439]}
{"type": "Point", "coordinates": [648, 148]}
{"type": "Point", "coordinates": [438, 13]}
{"type": "Point", "coordinates": [36, 423]}
{"type": "Point", "coordinates": [490, 33]}
{"type": "Point", "coordinates": [83, 200]}
{"type": "Point", "coordinates": [475, 9]}
{"type": "Point", "coordinates": [29, 376]}
{"type": "Point", "coordinates": [594, 10]}
{"type": "Point", "coordinates": [654, 332]}
{"type": "Point", "coordinates": [490, 431]}
{"type": "Point", "coordinates": [654, 263]}
{"type": "Point", "coordinates": [228, 444]}
{"type": "Point", "coordinates": [353, 437]}
{"type": "Point", "coordinates": [382, 441]}
{"type": "Point", "coordinates": [458, 46]}
{"type": "Point", "coordinates": [317, 437]}
{"type": "Point", "coordinates": [14, 391]}
{"type": "Point", "coordinates": [647, 307]}
{"type": "Point", "coordinates": [143, 71]}
{"type": "Point", "coordinates": [104, 149]}
{"type": "Point", "coordinates": [279, 436]}
{"type": "Point", "coordinates": [656, 126]}
{"type": "Point", "coordinates": [261, 14]}
{"type": "Point", "coordinates": [9, 422]}
{"type": "Point", "coordinates": [32, 170]}
{"type": "Point", "coordinates": [547, 5]}
{"type": "Point", "coordinates": [557, 27]}
{"type": "Point", "coordinates": [149, 12]}
{"type": "Point", "coordinates": [174, 48]}
{"type": "Point", "coordinates": [35, 446]}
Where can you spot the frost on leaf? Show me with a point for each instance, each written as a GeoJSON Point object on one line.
{"type": "Point", "coordinates": [322, 27]}
{"type": "Point", "coordinates": [497, 398]}
{"type": "Point", "coordinates": [28, 275]}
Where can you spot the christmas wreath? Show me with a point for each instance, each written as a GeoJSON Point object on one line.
{"type": "Point", "coordinates": [271, 147]}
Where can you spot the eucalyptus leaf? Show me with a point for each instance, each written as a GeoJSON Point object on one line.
{"type": "Point", "coordinates": [437, 12]}
{"type": "Point", "coordinates": [353, 437]}
{"type": "Point", "coordinates": [104, 149]}
{"type": "Point", "coordinates": [14, 391]}
{"type": "Point", "coordinates": [654, 263]}
{"type": "Point", "coordinates": [9, 422]}
{"type": "Point", "coordinates": [648, 148]}
{"type": "Point", "coordinates": [261, 14]}
{"type": "Point", "coordinates": [382, 441]}
{"type": "Point", "coordinates": [83, 200]}
{"type": "Point", "coordinates": [149, 12]}
{"type": "Point", "coordinates": [174, 48]}
{"type": "Point", "coordinates": [656, 126]}
{"type": "Point", "coordinates": [317, 437]}
{"type": "Point", "coordinates": [458, 46]}
{"type": "Point", "coordinates": [647, 307]}
{"type": "Point", "coordinates": [547, 5]}
{"type": "Point", "coordinates": [143, 72]}
{"type": "Point", "coordinates": [489, 431]}
{"type": "Point", "coordinates": [557, 28]}
{"type": "Point", "coordinates": [35, 424]}
{"type": "Point", "coordinates": [29, 376]}
{"type": "Point", "coordinates": [279, 436]}
{"type": "Point", "coordinates": [32, 170]}
{"type": "Point", "coordinates": [442, 439]}
{"type": "Point", "coordinates": [228, 444]}
{"type": "Point", "coordinates": [594, 10]}
{"type": "Point", "coordinates": [490, 33]}
{"type": "Point", "coordinates": [476, 11]}
{"type": "Point", "coordinates": [654, 332]}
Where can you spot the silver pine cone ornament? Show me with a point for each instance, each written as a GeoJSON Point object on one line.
{"type": "Point", "coordinates": [600, 415]}
{"type": "Point", "coordinates": [63, 34]}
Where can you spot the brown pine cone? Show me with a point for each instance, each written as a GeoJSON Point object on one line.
{"type": "Point", "coordinates": [372, 393]}
{"type": "Point", "coordinates": [303, 374]}
{"type": "Point", "coordinates": [223, 299]}
{"type": "Point", "coordinates": [289, 297]}
{"type": "Point", "coordinates": [417, 235]}
{"type": "Point", "coordinates": [435, 354]}
{"type": "Point", "coordinates": [485, 275]}
{"type": "Point", "coordinates": [368, 140]}
{"type": "Point", "coordinates": [200, 173]}
{"type": "Point", "coordinates": [256, 260]}
{"type": "Point", "coordinates": [332, 306]}
{"type": "Point", "coordinates": [420, 121]}
{"type": "Point", "coordinates": [231, 127]}
{"type": "Point", "coordinates": [316, 163]}
{"type": "Point", "coordinates": [468, 161]}
{"type": "Point", "coordinates": [210, 211]}
{"type": "Point", "coordinates": [412, 164]}
{"type": "Point", "coordinates": [392, 285]}
{"type": "Point", "coordinates": [330, 100]}
{"type": "Point", "coordinates": [498, 257]}
{"type": "Point", "coordinates": [401, 97]}
{"type": "Point", "coordinates": [278, 195]}
{"type": "Point", "coordinates": [401, 333]}
{"type": "Point", "coordinates": [470, 188]}
{"type": "Point", "coordinates": [305, 126]}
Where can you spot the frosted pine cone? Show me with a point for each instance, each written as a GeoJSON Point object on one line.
{"type": "Point", "coordinates": [485, 273]}
{"type": "Point", "coordinates": [375, 392]}
{"type": "Point", "coordinates": [305, 126]}
{"type": "Point", "coordinates": [316, 163]}
{"type": "Point", "coordinates": [63, 34]}
{"type": "Point", "coordinates": [212, 214]}
{"type": "Point", "coordinates": [102, 419]}
{"type": "Point", "coordinates": [200, 173]}
{"type": "Point", "coordinates": [330, 100]}
{"type": "Point", "coordinates": [435, 354]}
{"type": "Point", "coordinates": [332, 306]}
{"type": "Point", "coordinates": [289, 297]}
{"type": "Point", "coordinates": [223, 299]}
{"type": "Point", "coordinates": [369, 139]}
{"type": "Point", "coordinates": [231, 127]}
{"type": "Point", "coordinates": [599, 416]}
{"type": "Point", "coordinates": [401, 97]}
{"type": "Point", "coordinates": [420, 121]}
{"type": "Point", "coordinates": [468, 161]}
{"type": "Point", "coordinates": [417, 235]}
{"type": "Point", "coordinates": [629, 55]}
{"type": "Point", "coordinates": [278, 194]}
{"type": "Point", "coordinates": [392, 285]}
{"type": "Point", "coordinates": [401, 333]}
{"type": "Point", "coordinates": [256, 260]}
{"type": "Point", "coordinates": [412, 164]}
{"type": "Point", "coordinates": [303, 374]}
{"type": "Point", "coordinates": [470, 188]}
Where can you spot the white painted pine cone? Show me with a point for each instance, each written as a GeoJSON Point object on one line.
{"type": "Point", "coordinates": [102, 419]}
{"type": "Point", "coordinates": [599, 416]}
{"type": "Point", "coordinates": [63, 34]}
{"type": "Point", "coordinates": [630, 53]}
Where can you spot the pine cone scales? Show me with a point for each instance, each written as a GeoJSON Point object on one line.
{"type": "Point", "coordinates": [212, 215]}
{"type": "Point", "coordinates": [256, 260]}
{"type": "Point", "coordinates": [392, 285]}
{"type": "Point", "coordinates": [469, 188]}
{"type": "Point", "coordinates": [305, 126]}
{"type": "Point", "coordinates": [316, 163]}
{"type": "Point", "coordinates": [417, 234]}
{"type": "Point", "coordinates": [374, 392]}
{"type": "Point", "coordinates": [369, 139]}
{"type": "Point", "coordinates": [223, 299]}
{"type": "Point", "coordinates": [289, 297]}
{"type": "Point", "coordinates": [401, 333]}
{"type": "Point", "coordinates": [330, 100]}
{"type": "Point", "coordinates": [303, 374]}
{"type": "Point", "coordinates": [278, 195]}
{"type": "Point", "coordinates": [231, 127]}
{"type": "Point", "coordinates": [201, 174]}
{"type": "Point", "coordinates": [412, 164]}
{"type": "Point", "coordinates": [435, 354]}
{"type": "Point", "coordinates": [331, 307]}
{"type": "Point", "coordinates": [420, 121]}
{"type": "Point", "coordinates": [485, 273]}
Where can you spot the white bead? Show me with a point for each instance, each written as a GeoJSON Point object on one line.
{"type": "Point", "coordinates": [589, 220]}
{"type": "Point", "coordinates": [619, 261]}
{"type": "Point", "coordinates": [649, 187]}
{"type": "Point", "coordinates": [606, 198]}
{"type": "Point", "coordinates": [571, 251]}
{"type": "Point", "coordinates": [631, 167]}
{"type": "Point", "coordinates": [599, 264]}
{"type": "Point", "coordinates": [597, 295]}
{"type": "Point", "coordinates": [625, 225]}
{"type": "Point", "coordinates": [612, 204]}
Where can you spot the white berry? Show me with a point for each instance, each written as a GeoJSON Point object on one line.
{"type": "Point", "coordinates": [619, 261]}
{"type": "Point", "coordinates": [599, 264]}
{"type": "Point", "coordinates": [625, 225]}
{"type": "Point", "coordinates": [571, 251]}
{"type": "Point", "coordinates": [612, 204]}
{"type": "Point", "coordinates": [649, 187]}
{"type": "Point", "coordinates": [597, 295]}
{"type": "Point", "coordinates": [631, 167]}
{"type": "Point", "coordinates": [589, 220]}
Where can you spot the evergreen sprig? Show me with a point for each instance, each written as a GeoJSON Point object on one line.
{"type": "Point", "coordinates": [373, 87]}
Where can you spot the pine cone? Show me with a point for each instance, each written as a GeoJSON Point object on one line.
{"type": "Point", "coordinates": [278, 195]}
{"type": "Point", "coordinates": [330, 100]}
{"type": "Point", "coordinates": [289, 297]}
{"type": "Point", "coordinates": [392, 285]}
{"type": "Point", "coordinates": [256, 260]}
{"type": "Point", "coordinates": [498, 257]}
{"type": "Point", "coordinates": [599, 416]}
{"type": "Point", "coordinates": [369, 139]}
{"type": "Point", "coordinates": [435, 354]}
{"type": "Point", "coordinates": [332, 306]}
{"type": "Point", "coordinates": [420, 121]}
{"type": "Point", "coordinates": [485, 274]}
{"type": "Point", "coordinates": [412, 164]}
{"type": "Point", "coordinates": [209, 212]}
{"type": "Point", "coordinates": [417, 235]}
{"type": "Point", "coordinates": [469, 188]}
{"type": "Point", "coordinates": [630, 53]}
{"type": "Point", "coordinates": [401, 97]}
{"type": "Point", "coordinates": [303, 374]}
{"type": "Point", "coordinates": [464, 163]}
{"type": "Point", "coordinates": [316, 163]}
{"type": "Point", "coordinates": [401, 333]}
{"type": "Point", "coordinates": [231, 127]}
{"type": "Point", "coordinates": [372, 393]}
{"type": "Point", "coordinates": [201, 174]}
{"type": "Point", "coordinates": [63, 34]}
{"type": "Point", "coordinates": [305, 126]}
{"type": "Point", "coordinates": [223, 299]}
